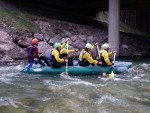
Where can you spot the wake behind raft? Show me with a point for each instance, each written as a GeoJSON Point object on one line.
{"type": "Point", "coordinates": [120, 67]}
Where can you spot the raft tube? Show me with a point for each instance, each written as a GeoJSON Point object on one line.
{"type": "Point", "coordinates": [120, 67]}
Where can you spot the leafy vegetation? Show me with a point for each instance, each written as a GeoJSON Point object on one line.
{"type": "Point", "coordinates": [17, 20]}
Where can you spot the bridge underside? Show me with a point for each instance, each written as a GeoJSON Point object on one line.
{"type": "Point", "coordinates": [83, 7]}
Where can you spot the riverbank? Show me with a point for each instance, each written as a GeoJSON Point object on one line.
{"type": "Point", "coordinates": [17, 28]}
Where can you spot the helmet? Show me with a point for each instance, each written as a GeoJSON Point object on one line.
{"type": "Point", "coordinates": [34, 41]}
{"type": "Point", "coordinates": [105, 46]}
{"type": "Point", "coordinates": [88, 45]}
{"type": "Point", "coordinates": [56, 45]}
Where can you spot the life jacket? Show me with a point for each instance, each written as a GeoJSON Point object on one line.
{"type": "Point", "coordinates": [34, 53]}
{"type": "Point", "coordinates": [81, 55]}
{"type": "Point", "coordinates": [64, 55]}
{"type": "Point", "coordinates": [83, 61]}
{"type": "Point", "coordinates": [52, 58]}
{"type": "Point", "coordinates": [102, 59]}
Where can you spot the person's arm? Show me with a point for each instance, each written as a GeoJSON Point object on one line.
{"type": "Point", "coordinates": [106, 58]}
{"type": "Point", "coordinates": [93, 47]}
{"type": "Point", "coordinates": [89, 58]}
{"type": "Point", "coordinates": [71, 51]}
{"type": "Point", "coordinates": [56, 55]}
{"type": "Point", "coordinates": [63, 51]}
{"type": "Point", "coordinates": [63, 45]}
{"type": "Point", "coordinates": [110, 54]}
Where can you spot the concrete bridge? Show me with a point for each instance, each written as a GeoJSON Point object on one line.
{"type": "Point", "coordinates": [88, 9]}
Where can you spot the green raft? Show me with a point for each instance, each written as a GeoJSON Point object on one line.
{"type": "Point", "coordinates": [120, 67]}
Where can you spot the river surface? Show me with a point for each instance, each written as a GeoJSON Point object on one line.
{"type": "Point", "coordinates": [126, 93]}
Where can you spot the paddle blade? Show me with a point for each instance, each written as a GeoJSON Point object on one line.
{"type": "Point", "coordinates": [111, 75]}
{"type": "Point", "coordinates": [104, 74]}
{"type": "Point", "coordinates": [67, 70]}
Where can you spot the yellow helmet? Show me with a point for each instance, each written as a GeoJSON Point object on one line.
{"type": "Point", "coordinates": [105, 46]}
{"type": "Point", "coordinates": [88, 45]}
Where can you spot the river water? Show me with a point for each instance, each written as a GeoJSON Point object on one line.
{"type": "Point", "coordinates": [126, 93]}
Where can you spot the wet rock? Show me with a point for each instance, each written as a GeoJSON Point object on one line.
{"type": "Point", "coordinates": [123, 52]}
{"type": "Point", "coordinates": [24, 42]}
{"type": "Point", "coordinates": [124, 46]}
{"type": "Point", "coordinates": [44, 48]}
{"type": "Point", "coordinates": [9, 48]}
{"type": "Point", "coordinates": [64, 39]}
{"type": "Point", "coordinates": [46, 37]}
{"type": "Point", "coordinates": [16, 52]}
{"type": "Point", "coordinates": [79, 44]}
{"type": "Point", "coordinates": [54, 39]}
{"type": "Point", "coordinates": [38, 36]}
{"type": "Point", "coordinates": [90, 39]}
{"type": "Point", "coordinates": [82, 37]}
{"type": "Point", "coordinates": [137, 53]}
{"type": "Point", "coordinates": [75, 54]}
{"type": "Point", "coordinates": [67, 33]}
{"type": "Point", "coordinates": [74, 38]}
{"type": "Point", "coordinates": [6, 58]}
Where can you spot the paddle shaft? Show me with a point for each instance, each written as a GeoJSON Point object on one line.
{"type": "Point", "coordinates": [112, 73]}
{"type": "Point", "coordinates": [102, 70]}
{"type": "Point", "coordinates": [67, 62]}
{"type": "Point", "coordinates": [114, 57]}
{"type": "Point", "coordinates": [98, 52]}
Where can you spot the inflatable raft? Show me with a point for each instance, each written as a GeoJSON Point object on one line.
{"type": "Point", "coordinates": [120, 67]}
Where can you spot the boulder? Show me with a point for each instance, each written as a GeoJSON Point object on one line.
{"type": "Point", "coordinates": [124, 51]}
{"type": "Point", "coordinates": [67, 33]}
{"type": "Point", "coordinates": [24, 42]}
{"type": "Point", "coordinates": [46, 37]}
{"type": "Point", "coordinates": [64, 39]}
{"type": "Point", "coordinates": [44, 48]}
{"type": "Point", "coordinates": [74, 38]}
{"type": "Point", "coordinates": [90, 39]}
{"type": "Point", "coordinates": [16, 52]}
{"type": "Point", "coordinates": [54, 40]}
{"type": "Point", "coordinates": [79, 44]}
{"type": "Point", "coordinates": [124, 46]}
{"type": "Point", "coordinates": [83, 37]}
{"type": "Point", "coordinates": [38, 36]}
{"type": "Point", "coordinates": [9, 48]}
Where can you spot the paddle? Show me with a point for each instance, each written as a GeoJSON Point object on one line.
{"type": "Point", "coordinates": [102, 70]}
{"type": "Point", "coordinates": [111, 75]}
{"type": "Point", "coordinates": [67, 62]}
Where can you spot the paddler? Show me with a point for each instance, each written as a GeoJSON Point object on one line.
{"type": "Point", "coordinates": [64, 53]}
{"type": "Point", "coordinates": [55, 59]}
{"type": "Point", "coordinates": [106, 55]}
{"type": "Point", "coordinates": [85, 57]}
{"type": "Point", "coordinates": [34, 56]}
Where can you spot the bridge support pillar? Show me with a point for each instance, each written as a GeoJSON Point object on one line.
{"type": "Point", "coordinates": [113, 25]}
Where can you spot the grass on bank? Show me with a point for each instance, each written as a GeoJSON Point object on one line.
{"type": "Point", "coordinates": [17, 20]}
{"type": "Point", "coordinates": [23, 21]}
